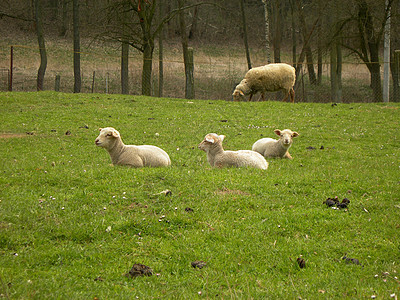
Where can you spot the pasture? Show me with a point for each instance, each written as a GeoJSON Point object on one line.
{"type": "Point", "coordinates": [72, 225]}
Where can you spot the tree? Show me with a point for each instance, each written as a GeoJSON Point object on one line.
{"type": "Point", "coordinates": [143, 27]}
{"type": "Point", "coordinates": [42, 46]}
{"type": "Point", "coordinates": [307, 48]}
{"type": "Point", "coordinates": [266, 32]}
{"type": "Point", "coordinates": [244, 26]}
{"type": "Point", "coordinates": [187, 55]}
{"type": "Point", "coordinates": [77, 47]}
{"type": "Point", "coordinates": [124, 62]}
{"type": "Point", "coordinates": [395, 51]}
{"type": "Point", "coordinates": [370, 37]}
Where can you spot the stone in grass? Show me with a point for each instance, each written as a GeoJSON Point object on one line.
{"type": "Point", "coordinates": [198, 264]}
{"type": "Point", "coordinates": [139, 270]}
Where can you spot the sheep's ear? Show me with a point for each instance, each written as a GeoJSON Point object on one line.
{"type": "Point", "coordinates": [241, 93]}
{"type": "Point", "coordinates": [100, 129]}
{"type": "Point", "coordinates": [277, 132]}
{"type": "Point", "coordinates": [209, 139]}
{"type": "Point", "coordinates": [294, 134]}
{"type": "Point", "coordinates": [115, 133]}
{"type": "Point", "coordinates": [221, 137]}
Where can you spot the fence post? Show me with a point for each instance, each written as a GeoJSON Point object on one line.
{"type": "Point", "coordinates": [57, 83]}
{"type": "Point", "coordinates": [106, 83]}
{"type": "Point", "coordinates": [10, 80]}
{"type": "Point", "coordinates": [94, 73]}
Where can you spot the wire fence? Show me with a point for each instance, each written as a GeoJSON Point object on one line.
{"type": "Point", "coordinates": [214, 77]}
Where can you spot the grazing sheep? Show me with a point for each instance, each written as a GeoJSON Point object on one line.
{"type": "Point", "coordinates": [268, 78]}
{"type": "Point", "coordinates": [217, 157]}
{"type": "Point", "coordinates": [130, 155]}
{"type": "Point", "coordinates": [276, 148]}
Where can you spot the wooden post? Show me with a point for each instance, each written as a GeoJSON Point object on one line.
{"type": "Point", "coordinates": [57, 83]}
{"type": "Point", "coordinates": [10, 80]}
{"type": "Point", "coordinates": [94, 73]}
{"type": "Point", "coordinates": [106, 83]}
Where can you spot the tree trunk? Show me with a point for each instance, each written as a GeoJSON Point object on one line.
{"type": "Point", "coordinates": [147, 69]}
{"type": "Point", "coordinates": [395, 53]}
{"type": "Point", "coordinates": [193, 28]}
{"type": "Point", "coordinates": [77, 48]}
{"type": "Point", "coordinates": [244, 24]}
{"type": "Point", "coordinates": [63, 18]}
{"type": "Point", "coordinates": [266, 31]}
{"type": "Point", "coordinates": [370, 41]}
{"type": "Point", "coordinates": [125, 55]}
{"type": "Point", "coordinates": [307, 48]}
{"type": "Point", "coordinates": [294, 42]}
{"type": "Point", "coordinates": [277, 31]}
{"type": "Point", "coordinates": [145, 15]}
{"type": "Point", "coordinates": [188, 61]}
{"type": "Point", "coordinates": [42, 46]}
{"type": "Point", "coordinates": [375, 71]}
{"type": "Point", "coordinates": [396, 76]}
{"type": "Point", "coordinates": [160, 54]}
{"type": "Point", "coordinates": [125, 68]}
{"type": "Point", "coordinates": [336, 72]}
{"type": "Point", "coordinates": [319, 50]}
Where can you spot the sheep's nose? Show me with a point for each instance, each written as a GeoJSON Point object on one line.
{"type": "Point", "coordinates": [96, 141]}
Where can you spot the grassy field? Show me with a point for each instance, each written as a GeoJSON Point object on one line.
{"type": "Point", "coordinates": [72, 225]}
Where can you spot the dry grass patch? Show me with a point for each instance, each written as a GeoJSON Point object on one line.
{"type": "Point", "coordinates": [224, 192]}
{"type": "Point", "coordinates": [14, 135]}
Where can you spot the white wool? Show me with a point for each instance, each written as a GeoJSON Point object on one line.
{"type": "Point", "coordinates": [218, 157]}
{"type": "Point", "coordinates": [269, 147]}
{"type": "Point", "coordinates": [268, 78]}
{"type": "Point", "coordinates": [131, 155]}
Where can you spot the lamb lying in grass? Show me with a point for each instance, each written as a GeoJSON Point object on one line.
{"type": "Point", "coordinates": [217, 157]}
{"type": "Point", "coordinates": [130, 155]}
{"type": "Point", "coordinates": [276, 148]}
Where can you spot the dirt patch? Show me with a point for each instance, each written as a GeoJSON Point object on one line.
{"type": "Point", "coordinates": [231, 192]}
{"type": "Point", "coordinates": [13, 135]}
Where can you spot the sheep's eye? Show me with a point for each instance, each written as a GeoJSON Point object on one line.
{"type": "Point", "coordinates": [108, 134]}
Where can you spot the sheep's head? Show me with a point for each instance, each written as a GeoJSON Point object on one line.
{"type": "Point", "coordinates": [241, 90]}
{"type": "Point", "coordinates": [107, 137]}
{"type": "Point", "coordinates": [211, 140]}
{"type": "Point", "coordinates": [237, 95]}
{"type": "Point", "coordinates": [286, 136]}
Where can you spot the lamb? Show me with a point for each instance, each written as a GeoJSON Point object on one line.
{"type": "Point", "coordinates": [268, 78]}
{"type": "Point", "coordinates": [217, 157]}
{"type": "Point", "coordinates": [276, 148]}
{"type": "Point", "coordinates": [130, 155]}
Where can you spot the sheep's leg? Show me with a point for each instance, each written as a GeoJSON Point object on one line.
{"type": "Point", "coordinates": [287, 155]}
{"type": "Point", "coordinates": [286, 97]}
{"type": "Point", "coordinates": [251, 96]}
{"type": "Point", "coordinates": [291, 95]}
{"type": "Point", "coordinates": [262, 97]}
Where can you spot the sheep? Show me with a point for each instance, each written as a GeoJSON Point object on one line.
{"type": "Point", "coordinates": [130, 155]}
{"type": "Point", "coordinates": [276, 148]}
{"type": "Point", "coordinates": [217, 157]}
{"type": "Point", "coordinates": [268, 78]}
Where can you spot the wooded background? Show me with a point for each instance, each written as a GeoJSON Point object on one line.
{"type": "Point", "coordinates": [336, 46]}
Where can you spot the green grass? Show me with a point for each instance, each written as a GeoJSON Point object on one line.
{"type": "Point", "coordinates": [59, 194]}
